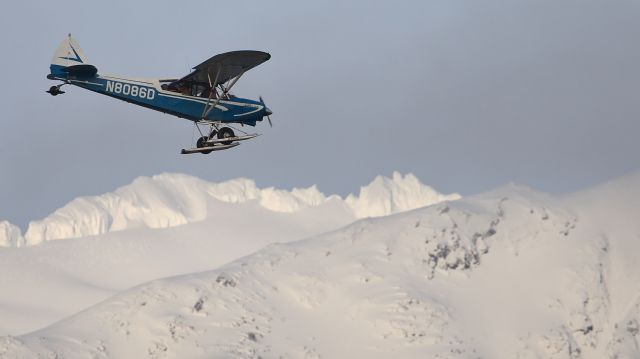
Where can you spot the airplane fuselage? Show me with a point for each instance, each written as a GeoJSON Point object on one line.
{"type": "Point", "coordinates": [149, 93]}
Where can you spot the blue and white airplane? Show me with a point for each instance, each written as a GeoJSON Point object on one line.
{"type": "Point", "coordinates": [202, 96]}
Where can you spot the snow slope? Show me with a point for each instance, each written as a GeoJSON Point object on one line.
{"type": "Point", "coordinates": [157, 227]}
{"type": "Point", "coordinates": [511, 273]}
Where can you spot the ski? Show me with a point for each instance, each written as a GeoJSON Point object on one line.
{"type": "Point", "coordinates": [208, 149]}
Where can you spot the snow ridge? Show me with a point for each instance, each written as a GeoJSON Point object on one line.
{"type": "Point", "coordinates": [169, 200]}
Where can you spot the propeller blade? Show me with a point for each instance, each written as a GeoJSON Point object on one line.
{"type": "Point", "coordinates": [267, 111]}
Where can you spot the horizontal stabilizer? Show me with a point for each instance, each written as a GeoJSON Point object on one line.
{"type": "Point", "coordinates": [81, 70]}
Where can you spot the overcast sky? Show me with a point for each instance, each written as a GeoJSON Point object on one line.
{"type": "Point", "coordinates": [467, 95]}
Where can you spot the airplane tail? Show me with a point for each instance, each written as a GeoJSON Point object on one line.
{"type": "Point", "coordinates": [69, 61]}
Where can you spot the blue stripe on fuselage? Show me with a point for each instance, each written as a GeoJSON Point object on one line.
{"type": "Point", "coordinates": [236, 110]}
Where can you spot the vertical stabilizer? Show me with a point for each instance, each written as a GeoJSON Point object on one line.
{"type": "Point", "coordinates": [69, 59]}
{"type": "Point", "coordinates": [69, 53]}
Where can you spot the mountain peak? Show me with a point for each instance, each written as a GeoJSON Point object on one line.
{"type": "Point", "coordinates": [173, 199]}
{"type": "Point", "coordinates": [384, 196]}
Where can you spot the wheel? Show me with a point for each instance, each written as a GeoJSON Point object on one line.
{"type": "Point", "coordinates": [226, 132]}
{"type": "Point", "coordinates": [202, 142]}
{"type": "Point", "coordinates": [54, 91]}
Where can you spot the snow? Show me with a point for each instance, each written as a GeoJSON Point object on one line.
{"type": "Point", "coordinates": [622, 234]}
{"type": "Point", "coordinates": [10, 235]}
{"type": "Point", "coordinates": [385, 196]}
{"type": "Point", "coordinates": [511, 273]}
{"type": "Point", "coordinates": [170, 200]}
{"type": "Point", "coordinates": [155, 227]}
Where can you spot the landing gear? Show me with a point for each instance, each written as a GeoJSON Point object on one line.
{"type": "Point", "coordinates": [202, 142]}
{"type": "Point", "coordinates": [55, 90]}
{"type": "Point", "coordinates": [226, 138]}
{"type": "Point", "coordinates": [226, 132]}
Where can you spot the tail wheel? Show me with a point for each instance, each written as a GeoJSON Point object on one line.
{"type": "Point", "coordinates": [226, 132]}
{"type": "Point", "coordinates": [202, 142]}
{"type": "Point", "coordinates": [55, 90]}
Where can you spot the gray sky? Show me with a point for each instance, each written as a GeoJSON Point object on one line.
{"type": "Point", "coordinates": [468, 95]}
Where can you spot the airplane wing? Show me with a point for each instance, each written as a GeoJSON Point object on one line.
{"type": "Point", "coordinates": [224, 67]}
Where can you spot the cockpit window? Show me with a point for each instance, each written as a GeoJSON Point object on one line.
{"type": "Point", "coordinates": [195, 89]}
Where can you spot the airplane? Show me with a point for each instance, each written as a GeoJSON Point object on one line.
{"type": "Point", "coordinates": [202, 96]}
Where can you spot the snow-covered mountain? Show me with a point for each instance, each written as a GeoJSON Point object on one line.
{"type": "Point", "coordinates": [169, 200]}
{"type": "Point", "coordinates": [163, 226]}
{"type": "Point", "coordinates": [511, 273]}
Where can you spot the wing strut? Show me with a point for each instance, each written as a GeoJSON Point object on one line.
{"type": "Point", "coordinates": [211, 92]}
{"type": "Point", "coordinates": [224, 94]}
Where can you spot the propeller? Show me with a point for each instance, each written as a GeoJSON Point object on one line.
{"type": "Point", "coordinates": [267, 111]}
